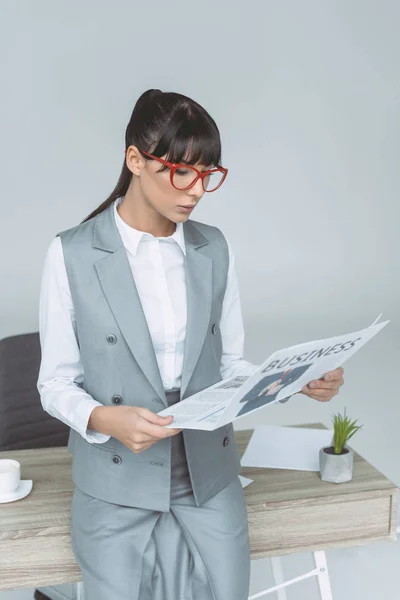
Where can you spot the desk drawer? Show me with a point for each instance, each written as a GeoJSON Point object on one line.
{"type": "Point", "coordinates": [278, 530]}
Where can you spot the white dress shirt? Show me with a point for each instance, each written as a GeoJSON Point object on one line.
{"type": "Point", "coordinates": [157, 265]}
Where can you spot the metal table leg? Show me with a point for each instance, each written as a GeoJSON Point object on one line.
{"type": "Point", "coordinates": [277, 573]}
{"type": "Point", "coordinates": [321, 572]}
{"type": "Point", "coordinates": [77, 591]}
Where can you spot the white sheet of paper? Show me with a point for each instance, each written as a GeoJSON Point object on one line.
{"type": "Point", "coordinates": [279, 447]}
{"type": "Point", "coordinates": [245, 481]}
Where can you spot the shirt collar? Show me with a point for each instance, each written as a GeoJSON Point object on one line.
{"type": "Point", "coordinates": [131, 237]}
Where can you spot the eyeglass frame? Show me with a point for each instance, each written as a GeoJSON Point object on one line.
{"type": "Point", "coordinates": [200, 175]}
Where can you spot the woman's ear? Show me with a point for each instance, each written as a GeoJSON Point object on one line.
{"type": "Point", "coordinates": [134, 160]}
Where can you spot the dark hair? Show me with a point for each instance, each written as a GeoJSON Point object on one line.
{"type": "Point", "coordinates": [172, 124]}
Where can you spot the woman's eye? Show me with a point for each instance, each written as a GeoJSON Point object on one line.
{"type": "Point", "coordinates": [181, 172]}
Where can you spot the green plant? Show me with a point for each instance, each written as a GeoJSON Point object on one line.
{"type": "Point", "coordinates": [343, 430]}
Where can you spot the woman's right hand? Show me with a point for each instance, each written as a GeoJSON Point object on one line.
{"type": "Point", "coordinates": [138, 428]}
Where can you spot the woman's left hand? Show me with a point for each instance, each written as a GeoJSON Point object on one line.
{"type": "Point", "coordinates": [325, 388]}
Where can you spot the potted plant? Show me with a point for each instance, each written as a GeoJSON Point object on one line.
{"type": "Point", "coordinates": [336, 461]}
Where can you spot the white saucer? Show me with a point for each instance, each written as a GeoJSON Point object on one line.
{"type": "Point", "coordinates": [24, 488]}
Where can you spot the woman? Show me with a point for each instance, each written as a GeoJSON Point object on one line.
{"type": "Point", "coordinates": [139, 308]}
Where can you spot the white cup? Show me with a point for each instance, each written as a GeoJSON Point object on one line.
{"type": "Point", "coordinates": [10, 475]}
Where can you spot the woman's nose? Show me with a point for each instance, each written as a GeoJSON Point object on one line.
{"type": "Point", "coordinates": [197, 189]}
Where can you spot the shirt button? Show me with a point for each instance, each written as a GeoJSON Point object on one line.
{"type": "Point", "coordinates": [117, 459]}
{"type": "Point", "coordinates": [214, 329]}
{"type": "Point", "coordinates": [226, 441]}
{"type": "Point", "coordinates": [111, 338]}
{"type": "Point", "coordinates": [116, 399]}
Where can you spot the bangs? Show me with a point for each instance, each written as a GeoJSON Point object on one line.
{"type": "Point", "coordinates": [190, 137]}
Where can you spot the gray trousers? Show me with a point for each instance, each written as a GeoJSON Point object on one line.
{"type": "Point", "coordinates": [190, 553]}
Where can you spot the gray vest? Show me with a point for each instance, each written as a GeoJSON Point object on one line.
{"type": "Point", "coordinates": [120, 365]}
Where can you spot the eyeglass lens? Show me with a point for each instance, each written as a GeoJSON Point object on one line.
{"type": "Point", "coordinates": [184, 177]}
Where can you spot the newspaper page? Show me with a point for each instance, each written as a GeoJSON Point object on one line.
{"type": "Point", "coordinates": [282, 374]}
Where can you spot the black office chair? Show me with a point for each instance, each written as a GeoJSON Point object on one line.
{"type": "Point", "coordinates": [23, 422]}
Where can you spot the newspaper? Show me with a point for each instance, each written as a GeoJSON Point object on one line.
{"type": "Point", "coordinates": [282, 374]}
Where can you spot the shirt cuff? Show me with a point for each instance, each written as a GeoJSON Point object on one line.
{"type": "Point", "coordinates": [82, 415]}
{"type": "Point", "coordinates": [96, 436]}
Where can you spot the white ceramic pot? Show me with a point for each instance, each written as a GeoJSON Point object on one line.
{"type": "Point", "coordinates": [336, 468]}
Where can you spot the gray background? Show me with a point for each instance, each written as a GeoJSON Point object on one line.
{"type": "Point", "coordinates": [306, 96]}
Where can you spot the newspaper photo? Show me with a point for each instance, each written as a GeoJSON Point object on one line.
{"type": "Point", "coordinates": [282, 374]}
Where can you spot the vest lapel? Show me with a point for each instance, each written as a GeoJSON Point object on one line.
{"type": "Point", "coordinates": [119, 287]}
{"type": "Point", "coordinates": [198, 274]}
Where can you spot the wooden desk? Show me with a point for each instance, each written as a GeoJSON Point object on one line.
{"type": "Point", "coordinates": [289, 511]}
{"type": "Point", "coordinates": [295, 511]}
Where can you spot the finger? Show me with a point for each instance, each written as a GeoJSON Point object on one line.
{"type": "Point", "coordinates": [324, 391]}
{"type": "Point", "coordinates": [141, 437]}
{"type": "Point", "coordinates": [146, 446]}
{"type": "Point", "coordinates": [323, 395]}
{"type": "Point", "coordinates": [154, 417]}
{"type": "Point", "coordinates": [336, 374]}
{"type": "Point", "coordinates": [157, 431]}
{"type": "Point", "coordinates": [320, 384]}
{"type": "Point", "coordinates": [138, 448]}
{"type": "Point", "coordinates": [321, 399]}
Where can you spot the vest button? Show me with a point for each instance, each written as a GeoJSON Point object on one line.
{"type": "Point", "coordinates": [111, 338]}
{"type": "Point", "coordinates": [226, 441]}
{"type": "Point", "coordinates": [214, 329]}
{"type": "Point", "coordinates": [117, 459]}
{"type": "Point", "coordinates": [117, 399]}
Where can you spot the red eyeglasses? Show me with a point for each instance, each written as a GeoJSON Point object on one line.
{"type": "Point", "coordinates": [183, 177]}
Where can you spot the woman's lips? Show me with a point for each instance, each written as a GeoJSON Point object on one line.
{"type": "Point", "coordinates": [185, 208]}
